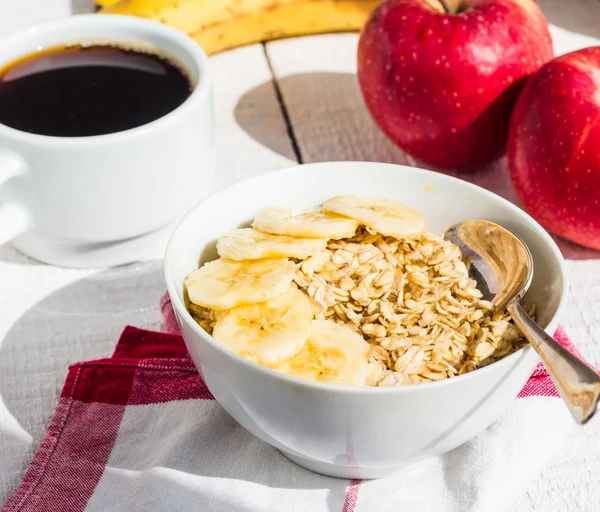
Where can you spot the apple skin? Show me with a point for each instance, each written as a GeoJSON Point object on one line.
{"type": "Point", "coordinates": [443, 86]}
{"type": "Point", "coordinates": [554, 147]}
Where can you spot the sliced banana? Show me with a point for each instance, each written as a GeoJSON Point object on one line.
{"type": "Point", "coordinates": [250, 244]}
{"type": "Point", "coordinates": [309, 223]}
{"type": "Point", "coordinates": [269, 332]}
{"type": "Point", "coordinates": [386, 217]}
{"type": "Point", "coordinates": [333, 353]}
{"type": "Point", "coordinates": [224, 284]}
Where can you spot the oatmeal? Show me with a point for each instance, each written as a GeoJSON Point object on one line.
{"type": "Point", "coordinates": [413, 301]}
{"type": "Point", "coordinates": [407, 293]}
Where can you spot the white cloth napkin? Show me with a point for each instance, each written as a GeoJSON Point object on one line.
{"type": "Point", "coordinates": [140, 431]}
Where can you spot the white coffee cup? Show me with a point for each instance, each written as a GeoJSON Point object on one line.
{"type": "Point", "coordinates": [106, 199]}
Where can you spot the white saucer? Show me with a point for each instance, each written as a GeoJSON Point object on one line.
{"type": "Point", "coordinates": [104, 254]}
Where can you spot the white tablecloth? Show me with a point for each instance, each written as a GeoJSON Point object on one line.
{"type": "Point", "coordinates": [51, 317]}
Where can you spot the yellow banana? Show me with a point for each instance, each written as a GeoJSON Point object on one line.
{"type": "Point", "coordinates": [219, 25]}
{"type": "Point", "coordinates": [100, 4]}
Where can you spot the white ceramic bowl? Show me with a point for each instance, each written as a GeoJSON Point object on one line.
{"type": "Point", "coordinates": [357, 432]}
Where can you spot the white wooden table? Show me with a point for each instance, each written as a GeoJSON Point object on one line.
{"type": "Point", "coordinates": [276, 104]}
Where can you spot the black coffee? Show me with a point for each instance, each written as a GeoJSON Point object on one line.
{"type": "Point", "coordinates": [79, 91]}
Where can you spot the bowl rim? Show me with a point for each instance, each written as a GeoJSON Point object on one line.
{"type": "Point", "coordinates": [523, 352]}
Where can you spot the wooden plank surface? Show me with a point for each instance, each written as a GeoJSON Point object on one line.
{"type": "Point", "coordinates": [251, 133]}
{"type": "Point", "coordinates": [317, 78]}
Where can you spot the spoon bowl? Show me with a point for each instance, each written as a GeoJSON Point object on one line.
{"type": "Point", "coordinates": [502, 266]}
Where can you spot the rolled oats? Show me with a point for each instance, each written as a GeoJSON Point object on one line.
{"type": "Point", "coordinates": [412, 300]}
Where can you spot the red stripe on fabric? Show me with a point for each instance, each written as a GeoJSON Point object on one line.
{"type": "Point", "coordinates": [170, 324]}
{"type": "Point", "coordinates": [540, 371]}
{"type": "Point", "coordinates": [137, 343]}
{"type": "Point", "coordinates": [561, 336]}
{"type": "Point", "coordinates": [110, 381]}
{"type": "Point", "coordinates": [540, 383]}
{"type": "Point", "coordinates": [351, 496]}
{"type": "Point", "coordinates": [101, 383]}
{"type": "Point", "coordinates": [71, 381]}
{"type": "Point", "coordinates": [72, 455]}
{"type": "Point", "coordinates": [152, 387]}
{"type": "Point", "coordinates": [538, 386]}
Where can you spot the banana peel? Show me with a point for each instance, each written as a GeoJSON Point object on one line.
{"type": "Point", "coordinates": [218, 25]}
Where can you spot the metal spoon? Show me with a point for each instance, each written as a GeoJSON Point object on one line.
{"type": "Point", "coordinates": [503, 268]}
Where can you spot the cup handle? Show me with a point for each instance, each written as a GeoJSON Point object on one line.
{"type": "Point", "coordinates": [15, 217]}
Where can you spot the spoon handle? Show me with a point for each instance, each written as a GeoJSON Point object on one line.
{"type": "Point", "coordinates": [578, 384]}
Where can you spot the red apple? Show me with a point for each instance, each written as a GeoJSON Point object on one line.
{"type": "Point", "coordinates": [554, 147]}
{"type": "Point", "coordinates": [442, 85]}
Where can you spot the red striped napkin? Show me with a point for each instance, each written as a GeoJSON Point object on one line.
{"type": "Point", "coordinates": [140, 431]}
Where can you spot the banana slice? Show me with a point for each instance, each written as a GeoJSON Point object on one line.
{"type": "Point", "coordinates": [333, 353]}
{"type": "Point", "coordinates": [269, 332]}
{"type": "Point", "coordinates": [250, 244]}
{"type": "Point", "coordinates": [224, 284]}
{"type": "Point", "coordinates": [386, 217]}
{"type": "Point", "coordinates": [309, 223]}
